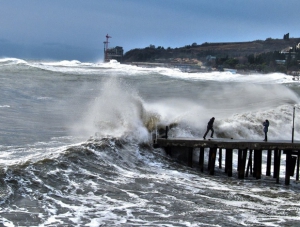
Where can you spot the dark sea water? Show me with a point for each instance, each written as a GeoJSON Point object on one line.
{"type": "Point", "coordinates": [76, 147]}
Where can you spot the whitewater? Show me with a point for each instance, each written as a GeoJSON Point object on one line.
{"type": "Point", "coordinates": [76, 145]}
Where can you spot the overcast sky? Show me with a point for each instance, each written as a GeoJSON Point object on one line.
{"type": "Point", "coordinates": [76, 29]}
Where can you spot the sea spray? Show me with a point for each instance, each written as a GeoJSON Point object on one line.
{"type": "Point", "coordinates": [117, 111]}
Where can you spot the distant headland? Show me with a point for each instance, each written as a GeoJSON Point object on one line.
{"type": "Point", "coordinates": [263, 56]}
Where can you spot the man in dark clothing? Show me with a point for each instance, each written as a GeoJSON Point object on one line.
{"type": "Point", "coordinates": [210, 127]}
{"type": "Point", "coordinates": [266, 126]}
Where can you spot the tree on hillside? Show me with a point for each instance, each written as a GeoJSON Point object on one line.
{"type": "Point", "coordinates": [221, 60]}
{"type": "Point", "coordinates": [251, 59]}
{"type": "Point", "coordinates": [231, 62]}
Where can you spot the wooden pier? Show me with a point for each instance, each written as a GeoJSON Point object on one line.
{"type": "Point", "coordinates": [249, 155]}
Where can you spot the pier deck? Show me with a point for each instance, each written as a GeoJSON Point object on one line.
{"type": "Point", "coordinates": [183, 149]}
{"type": "Point", "coordinates": [229, 143]}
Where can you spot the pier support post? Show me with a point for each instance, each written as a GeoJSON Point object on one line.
{"type": "Point", "coordinates": [245, 152]}
{"type": "Point", "coordinates": [288, 166]}
{"type": "Point", "coordinates": [257, 163]}
{"type": "Point", "coordinates": [297, 173]}
{"type": "Point", "coordinates": [201, 159]}
{"type": "Point", "coordinates": [226, 158]}
{"type": "Point", "coordinates": [278, 166]}
{"type": "Point", "coordinates": [212, 161]}
{"type": "Point", "coordinates": [242, 156]}
{"type": "Point", "coordinates": [269, 157]}
{"type": "Point", "coordinates": [190, 156]}
{"type": "Point", "coordinates": [220, 158]}
{"type": "Point", "coordinates": [275, 167]}
{"type": "Point", "coordinates": [249, 165]}
{"type": "Point", "coordinates": [228, 162]}
{"type": "Point", "coordinates": [209, 158]}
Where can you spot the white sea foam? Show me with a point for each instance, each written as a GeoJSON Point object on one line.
{"type": "Point", "coordinates": [86, 68]}
{"type": "Point", "coordinates": [113, 66]}
{"type": "Point", "coordinates": [12, 61]}
{"type": "Point", "coordinates": [277, 78]}
{"type": "Point", "coordinates": [63, 63]}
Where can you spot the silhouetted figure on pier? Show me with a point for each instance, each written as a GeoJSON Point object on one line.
{"type": "Point", "coordinates": [266, 126]}
{"type": "Point", "coordinates": [210, 127]}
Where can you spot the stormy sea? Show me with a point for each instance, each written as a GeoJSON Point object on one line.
{"type": "Point", "coordinates": [76, 145]}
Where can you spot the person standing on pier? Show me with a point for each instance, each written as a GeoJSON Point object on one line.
{"type": "Point", "coordinates": [210, 127]}
{"type": "Point", "coordinates": [266, 126]}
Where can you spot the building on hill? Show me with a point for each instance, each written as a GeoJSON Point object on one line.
{"type": "Point", "coordinates": [115, 53]}
{"type": "Point", "coordinates": [286, 36]}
